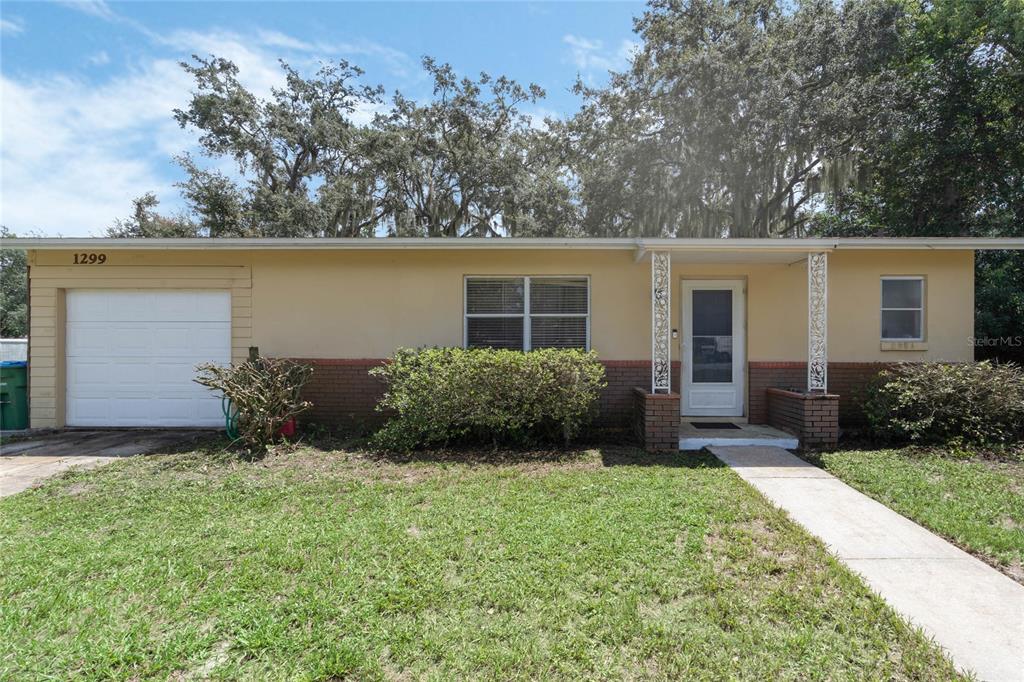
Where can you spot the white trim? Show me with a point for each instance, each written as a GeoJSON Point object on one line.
{"type": "Point", "coordinates": [526, 314]}
{"type": "Point", "coordinates": [739, 353]}
{"type": "Point", "coordinates": [639, 245]}
{"type": "Point", "coordinates": [661, 322]}
{"type": "Point", "coordinates": [922, 336]}
{"type": "Point", "coordinates": [817, 322]}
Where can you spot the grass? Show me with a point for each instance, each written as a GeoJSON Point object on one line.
{"type": "Point", "coordinates": [601, 564]}
{"type": "Point", "coordinates": [975, 502]}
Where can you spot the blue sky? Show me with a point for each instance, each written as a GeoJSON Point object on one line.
{"type": "Point", "coordinates": [87, 88]}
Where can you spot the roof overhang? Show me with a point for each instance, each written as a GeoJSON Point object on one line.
{"type": "Point", "coordinates": [710, 250]}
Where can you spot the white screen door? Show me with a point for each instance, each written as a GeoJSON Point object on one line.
{"type": "Point", "coordinates": [714, 350]}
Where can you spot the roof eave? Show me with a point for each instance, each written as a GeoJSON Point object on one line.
{"type": "Point", "coordinates": [640, 245]}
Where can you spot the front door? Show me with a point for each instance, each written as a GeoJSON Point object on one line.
{"type": "Point", "coordinates": [713, 350]}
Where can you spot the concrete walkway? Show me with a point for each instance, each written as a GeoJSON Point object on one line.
{"type": "Point", "coordinates": [28, 461]}
{"type": "Point", "coordinates": [972, 610]}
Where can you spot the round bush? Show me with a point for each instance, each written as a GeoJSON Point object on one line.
{"type": "Point", "coordinates": [447, 395]}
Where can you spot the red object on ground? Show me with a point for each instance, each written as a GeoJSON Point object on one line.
{"type": "Point", "coordinates": [288, 430]}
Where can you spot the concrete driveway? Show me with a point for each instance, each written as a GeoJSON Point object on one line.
{"type": "Point", "coordinates": [28, 461]}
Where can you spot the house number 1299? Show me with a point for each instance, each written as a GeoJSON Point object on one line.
{"type": "Point", "coordinates": [90, 258]}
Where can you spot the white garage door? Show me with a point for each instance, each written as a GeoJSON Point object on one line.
{"type": "Point", "coordinates": [131, 356]}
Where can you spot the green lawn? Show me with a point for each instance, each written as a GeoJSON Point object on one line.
{"type": "Point", "coordinates": [976, 503]}
{"type": "Point", "coordinates": [313, 565]}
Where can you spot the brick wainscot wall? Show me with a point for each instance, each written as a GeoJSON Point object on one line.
{"type": "Point", "coordinates": [848, 380]}
{"type": "Point", "coordinates": [343, 393]}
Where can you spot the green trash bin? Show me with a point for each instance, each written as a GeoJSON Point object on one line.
{"type": "Point", "coordinates": [13, 395]}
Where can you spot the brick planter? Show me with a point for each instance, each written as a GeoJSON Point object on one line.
{"type": "Point", "coordinates": [656, 420]}
{"type": "Point", "coordinates": [848, 379]}
{"type": "Point", "coordinates": [811, 417]}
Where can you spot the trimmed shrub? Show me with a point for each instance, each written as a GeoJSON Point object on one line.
{"type": "Point", "coordinates": [939, 403]}
{"type": "Point", "coordinates": [453, 395]}
{"type": "Point", "coordinates": [265, 393]}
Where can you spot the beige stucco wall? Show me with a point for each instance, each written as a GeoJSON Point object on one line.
{"type": "Point", "coordinates": [349, 304]}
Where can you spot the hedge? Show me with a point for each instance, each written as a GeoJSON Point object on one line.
{"type": "Point", "coordinates": [443, 396]}
{"type": "Point", "coordinates": [941, 403]}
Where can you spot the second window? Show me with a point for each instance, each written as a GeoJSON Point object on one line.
{"type": "Point", "coordinates": [523, 313]}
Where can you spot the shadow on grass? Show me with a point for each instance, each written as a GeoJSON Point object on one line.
{"type": "Point", "coordinates": [480, 455]}
{"type": "Point", "coordinates": [615, 455]}
{"type": "Point", "coordinates": [609, 455]}
{"type": "Point", "coordinates": [611, 450]}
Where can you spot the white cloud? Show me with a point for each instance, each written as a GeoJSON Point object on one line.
{"type": "Point", "coordinates": [398, 62]}
{"type": "Point", "coordinates": [538, 117]}
{"type": "Point", "coordinates": [74, 153]}
{"type": "Point", "coordinates": [259, 70]}
{"type": "Point", "coordinates": [100, 58]}
{"type": "Point", "coordinates": [590, 55]}
{"type": "Point", "coordinates": [11, 26]}
{"type": "Point", "coordinates": [628, 49]}
{"type": "Point", "coordinates": [96, 8]}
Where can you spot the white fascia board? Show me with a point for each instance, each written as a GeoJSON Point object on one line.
{"type": "Point", "coordinates": [933, 243]}
{"type": "Point", "coordinates": [832, 244]}
{"type": "Point", "coordinates": [640, 245]}
{"type": "Point", "coordinates": [737, 244]}
{"type": "Point", "coordinates": [359, 243]}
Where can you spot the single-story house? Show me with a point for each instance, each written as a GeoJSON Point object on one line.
{"type": "Point", "coordinates": [781, 331]}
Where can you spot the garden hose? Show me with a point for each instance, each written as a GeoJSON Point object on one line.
{"type": "Point", "coordinates": [230, 418]}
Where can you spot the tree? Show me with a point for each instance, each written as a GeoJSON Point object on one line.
{"type": "Point", "coordinates": [999, 305]}
{"type": "Point", "coordinates": [733, 117]}
{"type": "Point", "coordinates": [468, 163]}
{"type": "Point", "coordinates": [951, 160]}
{"type": "Point", "coordinates": [146, 222]}
{"type": "Point", "coordinates": [13, 290]}
{"type": "Point", "coordinates": [300, 155]}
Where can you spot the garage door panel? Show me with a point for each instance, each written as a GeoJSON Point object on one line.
{"type": "Point", "coordinates": [83, 308]}
{"type": "Point", "coordinates": [112, 305]}
{"type": "Point", "coordinates": [207, 339]}
{"type": "Point", "coordinates": [177, 377]}
{"type": "Point", "coordinates": [88, 377]}
{"type": "Point", "coordinates": [131, 356]}
{"type": "Point", "coordinates": [88, 412]}
{"type": "Point", "coordinates": [199, 339]}
{"type": "Point", "coordinates": [197, 308]}
{"type": "Point", "coordinates": [84, 339]}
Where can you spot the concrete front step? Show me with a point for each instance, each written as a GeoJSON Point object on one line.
{"type": "Point", "coordinates": [691, 438]}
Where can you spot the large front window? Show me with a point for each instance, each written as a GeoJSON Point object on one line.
{"type": "Point", "coordinates": [523, 313]}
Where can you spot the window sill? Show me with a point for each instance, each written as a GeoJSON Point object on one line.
{"type": "Point", "coordinates": [905, 345]}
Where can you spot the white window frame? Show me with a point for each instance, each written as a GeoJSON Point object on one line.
{"type": "Point", "coordinates": [526, 314]}
{"type": "Point", "coordinates": [882, 309]}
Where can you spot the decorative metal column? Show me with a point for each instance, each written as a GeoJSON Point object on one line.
{"type": "Point", "coordinates": [661, 322]}
{"type": "Point", "coordinates": [817, 322]}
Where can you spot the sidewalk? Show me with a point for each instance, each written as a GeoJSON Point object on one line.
{"type": "Point", "coordinates": [972, 610]}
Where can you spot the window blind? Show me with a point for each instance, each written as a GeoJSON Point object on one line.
{"type": "Point", "coordinates": [558, 312]}
{"type": "Point", "coordinates": [522, 313]}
